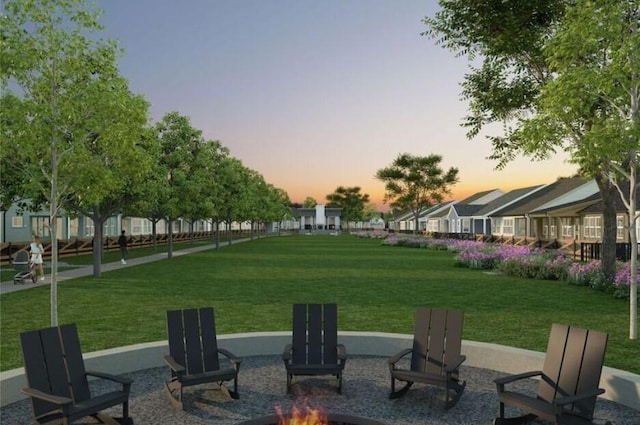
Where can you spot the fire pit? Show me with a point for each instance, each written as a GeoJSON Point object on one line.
{"type": "Point", "coordinates": [308, 416]}
{"type": "Point", "coordinates": [331, 419]}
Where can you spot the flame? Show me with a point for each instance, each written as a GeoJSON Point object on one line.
{"type": "Point", "coordinates": [302, 416]}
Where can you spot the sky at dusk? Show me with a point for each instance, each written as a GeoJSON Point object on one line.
{"type": "Point", "coordinates": [311, 94]}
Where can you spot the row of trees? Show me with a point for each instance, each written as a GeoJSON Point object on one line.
{"type": "Point", "coordinates": [74, 137]}
{"type": "Point", "coordinates": [557, 75]}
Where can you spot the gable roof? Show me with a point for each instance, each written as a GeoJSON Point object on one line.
{"type": "Point", "coordinates": [434, 209]}
{"type": "Point", "coordinates": [597, 207]}
{"type": "Point", "coordinates": [507, 199]}
{"type": "Point", "coordinates": [540, 197]}
{"type": "Point", "coordinates": [482, 198]}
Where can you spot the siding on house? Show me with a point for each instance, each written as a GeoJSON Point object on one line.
{"type": "Point", "coordinates": [514, 220]}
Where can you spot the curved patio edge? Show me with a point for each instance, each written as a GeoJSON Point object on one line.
{"type": "Point", "coordinates": [621, 386]}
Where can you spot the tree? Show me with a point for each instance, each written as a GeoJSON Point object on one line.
{"type": "Point", "coordinates": [351, 201]}
{"type": "Point", "coordinates": [593, 105]}
{"type": "Point", "coordinates": [510, 38]}
{"type": "Point", "coordinates": [309, 202]}
{"type": "Point", "coordinates": [61, 93]}
{"type": "Point", "coordinates": [416, 183]}
{"type": "Point", "coordinates": [232, 192]}
{"type": "Point", "coordinates": [180, 144]}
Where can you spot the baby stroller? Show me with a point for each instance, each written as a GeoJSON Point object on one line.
{"type": "Point", "coordinates": [25, 268]}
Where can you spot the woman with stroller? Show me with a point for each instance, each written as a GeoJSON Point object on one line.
{"type": "Point", "coordinates": [37, 250]}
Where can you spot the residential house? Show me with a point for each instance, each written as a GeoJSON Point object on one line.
{"type": "Point", "coordinates": [457, 218]}
{"type": "Point", "coordinates": [514, 220]}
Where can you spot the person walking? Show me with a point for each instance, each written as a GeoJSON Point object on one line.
{"type": "Point", "coordinates": [37, 250]}
{"type": "Point", "coordinates": [122, 242]}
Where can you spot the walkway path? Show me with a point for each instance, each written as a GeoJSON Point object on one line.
{"type": "Point", "coordinates": [82, 271]}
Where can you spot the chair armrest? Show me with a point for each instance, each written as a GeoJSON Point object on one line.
{"type": "Point", "coordinates": [396, 358]}
{"type": "Point", "coordinates": [512, 378]}
{"type": "Point", "coordinates": [342, 353]}
{"type": "Point", "coordinates": [177, 368]}
{"type": "Point", "coordinates": [228, 354]}
{"type": "Point", "coordinates": [451, 367]}
{"type": "Point", "coordinates": [116, 378]}
{"type": "Point", "coordinates": [561, 401]}
{"type": "Point", "coordinates": [61, 401]}
{"type": "Point", "coordinates": [286, 353]}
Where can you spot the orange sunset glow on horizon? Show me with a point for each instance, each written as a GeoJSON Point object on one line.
{"type": "Point", "coordinates": [312, 95]}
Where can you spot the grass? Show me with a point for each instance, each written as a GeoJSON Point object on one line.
{"type": "Point", "coordinates": [377, 288]}
{"type": "Point", "coordinates": [7, 272]}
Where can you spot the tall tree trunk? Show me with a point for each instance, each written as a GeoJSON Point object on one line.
{"type": "Point", "coordinates": [154, 234]}
{"type": "Point", "coordinates": [170, 240]}
{"type": "Point", "coordinates": [633, 239]}
{"type": "Point", "coordinates": [608, 192]}
{"type": "Point", "coordinates": [98, 225]}
{"type": "Point", "coordinates": [217, 230]}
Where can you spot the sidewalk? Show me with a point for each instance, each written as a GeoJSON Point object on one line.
{"type": "Point", "coordinates": [82, 271]}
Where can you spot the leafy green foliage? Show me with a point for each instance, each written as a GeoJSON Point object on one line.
{"type": "Point", "coordinates": [416, 183]}
{"type": "Point", "coordinates": [350, 200]}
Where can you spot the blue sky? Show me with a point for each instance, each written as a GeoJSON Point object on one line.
{"type": "Point", "coordinates": [311, 94]}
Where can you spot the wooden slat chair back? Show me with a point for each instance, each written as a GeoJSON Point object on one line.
{"type": "Point", "coordinates": [435, 355]}
{"type": "Point", "coordinates": [314, 349]}
{"type": "Point", "coordinates": [194, 353]}
{"type": "Point", "coordinates": [57, 379]}
{"type": "Point", "coordinates": [192, 339]}
{"type": "Point", "coordinates": [569, 380]}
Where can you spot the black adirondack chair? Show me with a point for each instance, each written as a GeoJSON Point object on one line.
{"type": "Point", "coordinates": [57, 380]}
{"type": "Point", "coordinates": [435, 356]}
{"type": "Point", "coordinates": [569, 380]}
{"type": "Point", "coordinates": [314, 349]}
{"type": "Point", "coordinates": [194, 354]}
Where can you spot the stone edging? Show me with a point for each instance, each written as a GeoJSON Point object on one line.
{"type": "Point", "coordinates": [621, 386]}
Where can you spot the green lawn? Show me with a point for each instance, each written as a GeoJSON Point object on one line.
{"type": "Point", "coordinates": [252, 286]}
{"type": "Point", "coordinates": [67, 263]}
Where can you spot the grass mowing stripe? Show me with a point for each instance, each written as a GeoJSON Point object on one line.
{"type": "Point", "coordinates": [252, 286]}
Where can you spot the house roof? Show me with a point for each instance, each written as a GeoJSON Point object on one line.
{"type": "Point", "coordinates": [482, 197]}
{"type": "Point", "coordinates": [436, 208]}
{"type": "Point", "coordinates": [597, 207]}
{"type": "Point", "coordinates": [506, 199]}
{"type": "Point", "coordinates": [467, 210]}
{"type": "Point", "coordinates": [540, 197]}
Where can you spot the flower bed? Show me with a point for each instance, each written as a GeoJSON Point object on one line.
{"type": "Point", "coordinates": [520, 261]}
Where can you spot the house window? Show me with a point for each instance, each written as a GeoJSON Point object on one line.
{"type": "Point", "coordinates": [507, 226]}
{"type": "Point", "coordinates": [620, 227]}
{"type": "Point", "coordinates": [136, 226]}
{"type": "Point", "coordinates": [521, 227]}
{"type": "Point", "coordinates": [567, 231]}
{"type": "Point", "coordinates": [466, 225]}
{"type": "Point", "coordinates": [592, 228]}
{"type": "Point", "coordinates": [553, 231]}
{"type": "Point", "coordinates": [17, 221]}
{"type": "Point", "coordinates": [73, 227]}
{"type": "Point", "coordinates": [110, 227]}
{"type": "Point", "coordinates": [89, 228]}
{"type": "Point", "coordinates": [545, 231]}
{"type": "Point", "coordinates": [40, 226]}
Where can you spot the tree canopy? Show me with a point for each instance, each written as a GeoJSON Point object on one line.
{"type": "Point", "coordinates": [416, 183]}
{"type": "Point", "coordinates": [558, 76]}
{"type": "Point", "coordinates": [351, 201]}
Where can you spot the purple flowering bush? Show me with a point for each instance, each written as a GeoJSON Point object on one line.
{"type": "Point", "coordinates": [521, 261]}
{"type": "Point", "coordinates": [535, 263]}
{"type": "Point", "coordinates": [478, 257]}
{"type": "Point", "coordinates": [585, 274]}
{"type": "Point", "coordinates": [622, 281]}
{"type": "Point", "coordinates": [406, 240]}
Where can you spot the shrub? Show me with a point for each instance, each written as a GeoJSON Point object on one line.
{"type": "Point", "coordinates": [584, 274]}
{"type": "Point", "coordinates": [622, 281]}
